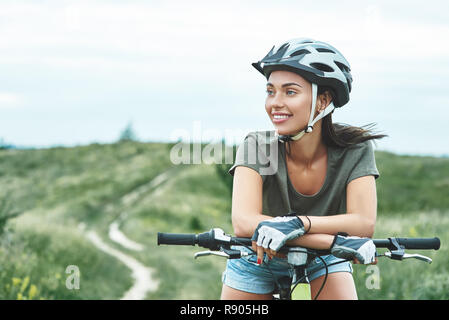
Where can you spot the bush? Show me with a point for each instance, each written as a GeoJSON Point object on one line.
{"type": "Point", "coordinates": [6, 212]}
{"type": "Point", "coordinates": [35, 263]}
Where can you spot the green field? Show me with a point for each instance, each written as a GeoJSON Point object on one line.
{"type": "Point", "coordinates": [51, 198]}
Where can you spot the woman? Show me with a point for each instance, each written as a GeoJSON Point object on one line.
{"type": "Point", "coordinates": [307, 180]}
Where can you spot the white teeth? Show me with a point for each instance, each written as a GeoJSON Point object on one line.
{"type": "Point", "coordinates": [280, 117]}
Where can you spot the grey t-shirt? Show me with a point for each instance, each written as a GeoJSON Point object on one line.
{"type": "Point", "coordinates": [262, 152]}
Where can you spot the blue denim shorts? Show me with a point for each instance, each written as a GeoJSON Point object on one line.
{"type": "Point", "coordinates": [245, 274]}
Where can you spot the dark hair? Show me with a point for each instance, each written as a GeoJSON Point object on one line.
{"type": "Point", "coordinates": [343, 135]}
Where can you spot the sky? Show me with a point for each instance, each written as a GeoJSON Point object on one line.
{"type": "Point", "coordinates": [78, 72]}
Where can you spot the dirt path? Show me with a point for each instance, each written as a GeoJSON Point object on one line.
{"type": "Point", "coordinates": [143, 280]}
{"type": "Point", "coordinates": [119, 237]}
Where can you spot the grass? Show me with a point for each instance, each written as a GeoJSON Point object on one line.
{"type": "Point", "coordinates": [410, 279]}
{"type": "Point", "coordinates": [175, 209]}
{"type": "Point", "coordinates": [54, 190]}
{"type": "Point", "coordinates": [35, 261]}
{"type": "Point", "coordinates": [47, 193]}
{"type": "Point", "coordinates": [409, 183]}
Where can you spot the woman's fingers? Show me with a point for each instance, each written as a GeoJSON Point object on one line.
{"type": "Point", "coordinates": [260, 252]}
{"type": "Point", "coordinates": [269, 252]}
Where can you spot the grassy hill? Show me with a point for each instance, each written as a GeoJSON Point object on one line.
{"type": "Point", "coordinates": [50, 197]}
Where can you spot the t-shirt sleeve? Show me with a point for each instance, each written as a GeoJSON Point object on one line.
{"type": "Point", "coordinates": [251, 154]}
{"type": "Point", "coordinates": [365, 164]}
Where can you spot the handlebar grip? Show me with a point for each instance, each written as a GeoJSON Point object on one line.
{"type": "Point", "coordinates": [176, 238]}
{"type": "Point", "coordinates": [420, 243]}
{"type": "Point", "coordinates": [410, 243]}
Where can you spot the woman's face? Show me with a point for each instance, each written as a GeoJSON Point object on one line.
{"type": "Point", "coordinates": [288, 101]}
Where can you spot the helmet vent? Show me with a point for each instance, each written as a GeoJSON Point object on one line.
{"type": "Point", "coordinates": [342, 66]}
{"type": "Point", "coordinates": [324, 50]}
{"type": "Point", "coordinates": [299, 52]}
{"type": "Point", "coordinates": [322, 67]}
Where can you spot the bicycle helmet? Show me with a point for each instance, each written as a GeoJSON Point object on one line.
{"type": "Point", "coordinates": [319, 63]}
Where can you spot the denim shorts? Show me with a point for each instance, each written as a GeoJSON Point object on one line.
{"type": "Point", "coordinates": [245, 274]}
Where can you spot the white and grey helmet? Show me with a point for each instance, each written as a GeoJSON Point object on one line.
{"type": "Point", "coordinates": [316, 61]}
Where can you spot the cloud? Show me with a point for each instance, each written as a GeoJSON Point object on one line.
{"type": "Point", "coordinates": [193, 58]}
{"type": "Point", "coordinates": [204, 30]}
{"type": "Point", "coordinates": [9, 100]}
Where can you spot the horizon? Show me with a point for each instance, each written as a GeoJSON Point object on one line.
{"type": "Point", "coordinates": [137, 140]}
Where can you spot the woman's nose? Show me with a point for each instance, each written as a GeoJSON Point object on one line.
{"type": "Point", "coordinates": [275, 101]}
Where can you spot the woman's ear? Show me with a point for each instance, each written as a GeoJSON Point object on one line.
{"type": "Point", "coordinates": [324, 99]}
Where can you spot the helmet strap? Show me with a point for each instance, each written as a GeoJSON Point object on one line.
{"type": "Point", "coordinates": [309, 127]}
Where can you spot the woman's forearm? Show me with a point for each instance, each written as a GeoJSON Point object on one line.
{"type": "Point", "coordinates": [354, 224]}
{"type": "Point", "coordinates": [312, 241]}
{"type": "Point", "coordinates": [351, 223]}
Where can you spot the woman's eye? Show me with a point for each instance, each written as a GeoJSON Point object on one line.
{"type": "Point", "coordinates": [290, 92]}
{"type": "Point", "coordinates": [269, 92]}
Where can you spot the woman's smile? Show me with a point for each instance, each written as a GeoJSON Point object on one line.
{"type": "Point", "coordinates": [279, 117]}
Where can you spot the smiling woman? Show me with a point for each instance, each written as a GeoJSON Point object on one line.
{"type": "Point", "coordinates": [327, 174]}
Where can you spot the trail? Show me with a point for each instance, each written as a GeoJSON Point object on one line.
{"type": "Point", "coordinates": [117, 236]}
{"type": "Point", "coordinates": [143, 280]}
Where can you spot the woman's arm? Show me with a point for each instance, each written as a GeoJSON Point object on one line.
{"type": "Point", "coordinates": [360, 219]}
{"type": "Point", "coordinates": [246, 201]}
{"type": "Point", "coordinates": [312, 241]}
{"type": "Point", "coordinates": [361, 204]}
{"type": "Point", "coordinates": [247, 210]}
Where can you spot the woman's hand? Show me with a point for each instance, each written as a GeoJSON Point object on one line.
{"type": "Point", "coordinates": [270, 235]}
{"type": "Point", "coordinates": [270, 253]}
{"type": "Point", "coordinates": [359, 250]}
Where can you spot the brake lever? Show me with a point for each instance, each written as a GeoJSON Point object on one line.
{"type": "Point", "coordinates": [225, 253]}
{"type": "Point", "coordinates": [208, 253]}
{"type": "Point", "coordinates": [408, 256]}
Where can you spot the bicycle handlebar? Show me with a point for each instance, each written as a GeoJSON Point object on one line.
{"type": "Point", "coordinates": [409, 243]}
{"type": "Point", "coordinates": [298, 257]}
{"type": "Point", "coordinates": [211, 239]}
{"type": "Point", "coordinates": [214, 238]}
{"type": "Point", "coordinates": [189, 239]}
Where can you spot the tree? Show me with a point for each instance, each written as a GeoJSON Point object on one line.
{"type": "Point", "coordinates": [4, 145]}
{"type": "Point", "coordinates": [128, 134]}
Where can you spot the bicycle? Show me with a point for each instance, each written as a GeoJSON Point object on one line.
{"type": "Point", "coordinates": [287, 288]}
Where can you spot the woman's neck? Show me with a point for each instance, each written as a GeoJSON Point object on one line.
{"type": "Point", "coordinates": [309, 148]}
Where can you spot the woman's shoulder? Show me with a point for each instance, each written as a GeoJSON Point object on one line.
{"type": "Point", "coordinates": [364, 146]}
{"type": "Point", "coordinates": [354, 151]}
{"type": "Point", "coordinates": [259, 150]}
{"type": "Point", "coordinates": [263, 136]}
